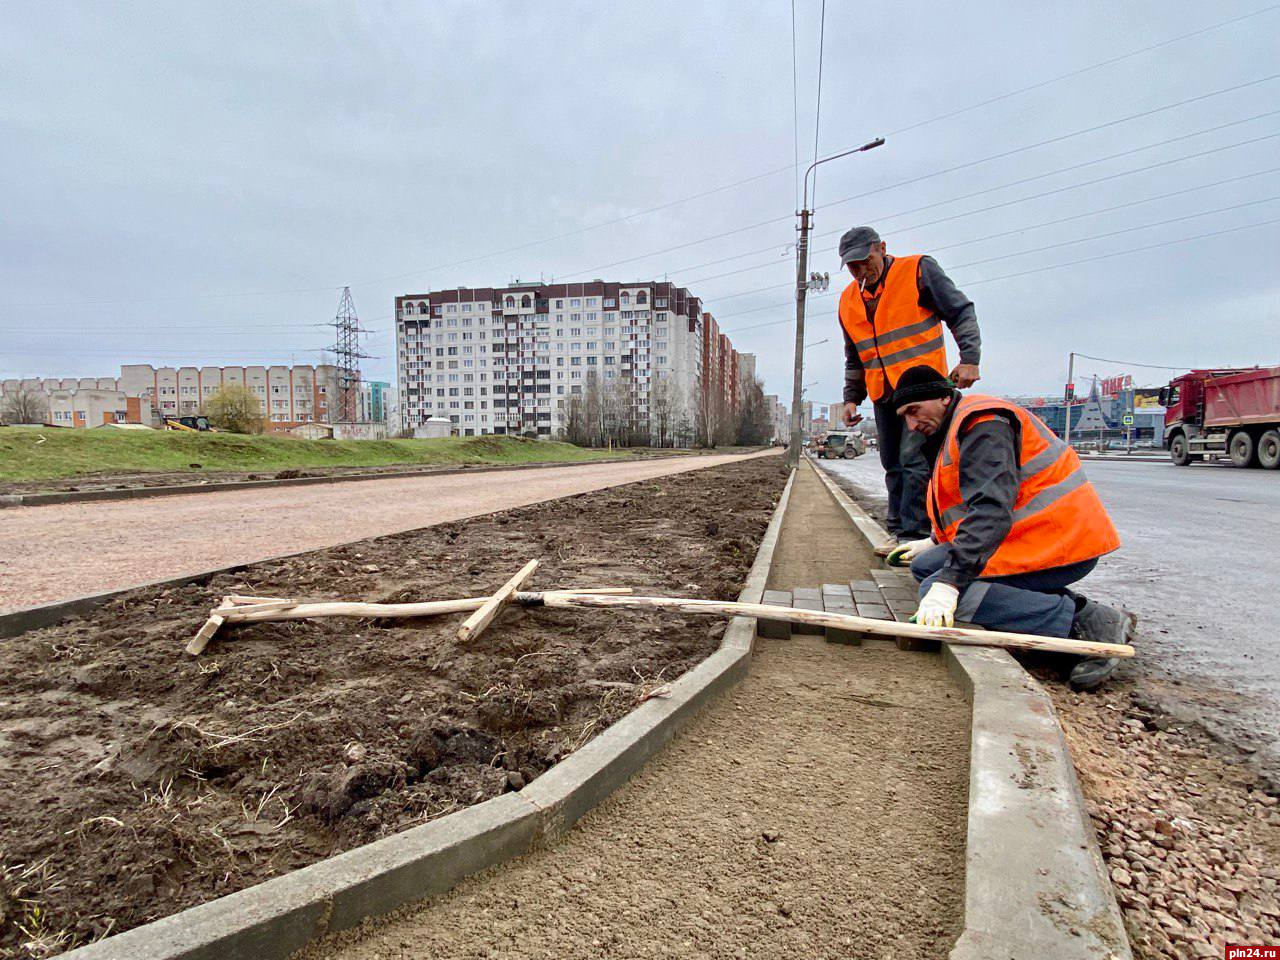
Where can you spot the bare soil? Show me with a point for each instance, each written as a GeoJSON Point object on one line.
{"type": "Point", "coordinates": [136, 781]}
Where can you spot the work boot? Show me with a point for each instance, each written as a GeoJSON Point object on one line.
{"type": "Point", "coordinates": [1101, 624]}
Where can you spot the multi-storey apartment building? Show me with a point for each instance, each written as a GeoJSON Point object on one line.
{"type": "Point", "coordinates": [512, 360]}
{"type": "Point", "coordinates": [142, 393]}
{"type": "Point", "coordinates": [289, 395]}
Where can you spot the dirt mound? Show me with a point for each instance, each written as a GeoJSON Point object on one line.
{"type": "Point", "coordinates": [138, 781]}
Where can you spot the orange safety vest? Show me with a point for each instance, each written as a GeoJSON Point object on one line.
{"type": "Point", "coordinates": [904, 334]}
{"type": "Point", "coordinates": [1058, 518]}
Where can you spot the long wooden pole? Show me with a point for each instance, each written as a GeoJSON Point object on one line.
{"type": "Point", "coordinates": [890, 628]}
{"type": "Point", "coordinates": [618, 597]}
{"type": "Point", "coordinates": [390, 611]}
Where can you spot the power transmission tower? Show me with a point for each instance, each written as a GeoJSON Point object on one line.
{"type": "Point", "coordinates": [347, 356]}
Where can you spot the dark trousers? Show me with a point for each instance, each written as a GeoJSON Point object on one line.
{"type": "Point", "coordinates": [1037, 602]}
{"type": "Point", "coordinates": [906, 474]}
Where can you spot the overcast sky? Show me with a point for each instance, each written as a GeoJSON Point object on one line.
{"type": "Point", "coordinates": [196, 182]}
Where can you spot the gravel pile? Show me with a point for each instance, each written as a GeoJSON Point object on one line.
{"type": "Point", "coordinates": [1190, 837]}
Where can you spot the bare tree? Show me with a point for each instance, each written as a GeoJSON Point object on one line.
{"type": "Point", "coordinates": [707, 416]}
{"type": "Point", "coordinates": [595, 409]}
{"type": "Point", "coordinates": [754, 423]}
{"type": "Point", "coordinates": [663, 408]}
{"type": "Point", "coordinates": [577, 426]}
{"type": "Point", "coordinates": [24, 405]}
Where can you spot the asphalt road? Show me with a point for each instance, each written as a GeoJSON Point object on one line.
{"type": "Point", "coordinates": [1200, 565]}
{"type": "Point", "coordinates": [70, 550]}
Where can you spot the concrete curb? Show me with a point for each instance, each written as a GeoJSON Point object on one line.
{"type": "Point", "coordinates": [1035, 883]}
{"type": "Point", "coordinates": [142, 493]}
{"type": "Point", "coordinates": [47, 614]}
{"type": "Point", "coordinates": [274, 919]}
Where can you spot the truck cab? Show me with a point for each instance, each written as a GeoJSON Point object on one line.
{"type": "Point", "coordinates": [1183, 402]}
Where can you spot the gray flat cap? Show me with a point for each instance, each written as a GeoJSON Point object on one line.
{"type": "Point", "coordinates": [856, 244]}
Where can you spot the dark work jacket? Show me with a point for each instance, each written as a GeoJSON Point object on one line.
{"type": "Point", "coordinates": [940, 297]}
{"type": "Point", "coordinates": [989, 483]}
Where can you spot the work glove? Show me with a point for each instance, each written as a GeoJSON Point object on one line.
{"type": "Point", "coordinates": [904, 553]}
{"type": "Point", "coordinates": [938, 608]}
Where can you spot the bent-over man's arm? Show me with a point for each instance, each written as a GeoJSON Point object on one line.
{"type": "Point", "coordinates": [989, 486]}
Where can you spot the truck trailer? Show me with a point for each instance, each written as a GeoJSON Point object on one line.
{"type": "Point", "coordinates": [1224, 413]}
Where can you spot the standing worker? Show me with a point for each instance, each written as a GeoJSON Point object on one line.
{"type": "Point", "coordinates": [1015, 523]}
{"type": "Point", "coordinates": [892, 315]}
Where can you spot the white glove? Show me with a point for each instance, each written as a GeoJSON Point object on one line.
{"type": "Point", "coordinates": [938, 608]}
{"type": "Point", "coordinates": [904, 553]}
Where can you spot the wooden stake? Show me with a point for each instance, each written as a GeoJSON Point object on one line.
{"type": "Point", "coordinates": [477, 622]}
{"type": "Point", "coordinates": [205, 634]}
{"type": "Point", "coordinates": [957, 635]}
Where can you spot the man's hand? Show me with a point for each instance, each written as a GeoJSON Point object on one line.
{"type": "Point", "coordinates": [938, 608]}
{"type": "Point", "coordinates": [851, 415]}
{"type": "Point", "coordinates": [904, 553]}
{"type": "Point", "coordinates": [965, 375]}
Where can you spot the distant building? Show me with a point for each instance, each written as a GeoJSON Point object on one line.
{"type": "Point", "coordinates": [512, 360]}
{"type": "Point", "coordinates": [372, 401]}
{"type": "Point", "coordinates": [289, 395]}
{"type": "Point", "coordinates": [778, 418]}
{"type": "Point", "coordinates": [1101, 417]}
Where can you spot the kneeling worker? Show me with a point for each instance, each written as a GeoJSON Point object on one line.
{"type": "Point", "coordinates": [1015, 522]}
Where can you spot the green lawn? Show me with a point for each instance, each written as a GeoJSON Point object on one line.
{"type": "Point", "coordinates": [74, 453]}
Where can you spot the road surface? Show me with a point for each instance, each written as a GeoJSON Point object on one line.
{"type": "Point", "coordinates": [1200, 565]}
{"type": "Point", "coordinates": [71, 550]}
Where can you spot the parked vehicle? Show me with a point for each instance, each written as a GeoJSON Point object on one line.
{"type": "Point", "coordinates": [846, 445]}
{"type": "Point", "coordinates": [1224, 413]}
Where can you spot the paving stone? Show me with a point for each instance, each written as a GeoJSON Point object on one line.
{"type": "Point", "coordinates": [874, 611]}
{"type": "Point", "coordinates": [836, 634]}
{"type": "Point", "coordinates": [775, 629]}
{"type": "Point", "coordinates": [808, 598]}
{"type": "Point", "coordinates": [838, 590]}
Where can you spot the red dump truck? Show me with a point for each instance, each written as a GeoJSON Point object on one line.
{"type": "Point", "coordinates": [1224, 413]}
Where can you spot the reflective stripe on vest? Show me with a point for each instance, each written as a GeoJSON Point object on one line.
{"type": "Point", "coordinates": [1058, 518]}
{"type": "Point", "coordinates": [903, 335]}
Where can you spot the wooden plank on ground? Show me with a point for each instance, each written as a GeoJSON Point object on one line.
{"type": "Point", "coordinates": [476, 623]}
{"type": "Point", "coordinates": [204, 635]}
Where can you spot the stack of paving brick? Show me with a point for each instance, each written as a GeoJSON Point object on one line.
{"type": "Point", "coordinates": [889, 595]}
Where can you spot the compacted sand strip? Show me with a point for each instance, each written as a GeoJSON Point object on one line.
{"type": "Point", "coordinates": [818, 810]}
{"type": "Point", "coordinates": [70, 550]}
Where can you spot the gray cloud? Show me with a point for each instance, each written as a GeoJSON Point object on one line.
{"type": "Point", "coordinates": [157, 156]}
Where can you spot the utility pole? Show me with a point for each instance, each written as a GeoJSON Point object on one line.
{"type": "Point", "coordinates": [1068, 393]}
{"type": "Point", "coordinates": [802, 288]}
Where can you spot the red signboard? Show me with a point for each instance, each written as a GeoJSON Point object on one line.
{"type": "Point", "coordinates": [1114, 386]}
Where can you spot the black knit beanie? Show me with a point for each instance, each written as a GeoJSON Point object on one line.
{"type": "Point", "coordinates": [921, 383]}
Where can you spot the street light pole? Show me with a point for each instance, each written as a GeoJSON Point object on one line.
{"type": "Point", "coordinates": [802, 288]}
